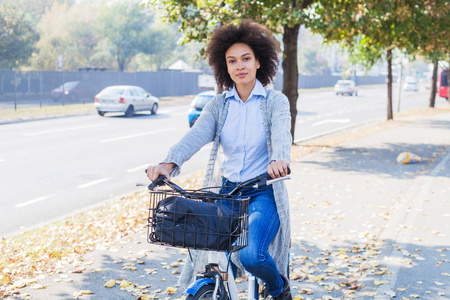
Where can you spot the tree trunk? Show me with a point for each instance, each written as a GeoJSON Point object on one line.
{"type": "Point", "coordinates": [290, 69]}
{"type": "Point", "coordinates": [120, 63]}
{"type": "Point", "coordinates": [389, 85]}
{"type": "Point", "coordinates": [433, 83]}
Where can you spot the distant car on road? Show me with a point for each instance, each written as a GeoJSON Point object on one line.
{"type": "Point", "coordinates": [410, 84]}
{"type": "Point", "coordinates": [125, 98]}
{"type": "Point", "coordinates": [75, 91]}
{"type": "Point", "coordinates": [346, 87]}
{"type": "Point", "coordinates": [197, 106]}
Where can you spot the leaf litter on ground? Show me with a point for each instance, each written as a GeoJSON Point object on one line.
{"type": "Point", "coordinates": [59, 247]}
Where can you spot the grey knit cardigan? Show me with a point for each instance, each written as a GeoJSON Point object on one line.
{"type": "Point", "coordinates": [277, 124]}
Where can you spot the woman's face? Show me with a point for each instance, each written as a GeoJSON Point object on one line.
{"type": "Point", "coordinates": [242, 64]}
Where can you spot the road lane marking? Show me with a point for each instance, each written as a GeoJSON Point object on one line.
{"type": "Point", "coordinates": [135, 135]}
{"type": "Point", "coordinates": [140, 168]}
{"type": "Point", "coordinates": [331, 121]}
{"type": "Point", "coordinates": [180, 114]}
{"type": "Point", "coordinates": [64, 129]}
{"type": "Point", "coordinates": [82, 186]}
{"type": "Point", "coordinates": [34, 201]}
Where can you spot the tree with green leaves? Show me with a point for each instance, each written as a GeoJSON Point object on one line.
{"type": "Point", "coordinates": [69, 31]}
{"type": "Point", "coordinates": [123, 26]}
{"type": "Point", "coordinates": [198, 19]}
{"type": "Point", "coordinates": [37, 8]}
{"type": "Point", "coordinates": [371, 30]}
{"type": "Point", "coordinates": [311, 63]}
{"type": "Point", "coordinates": [17, 37]}
{"type": "Point", "coordinates": [433, 39]}
{"type": "Point", "coordinates": [158, 43]}
{"type": "Point", "coordinates": [99, 35]}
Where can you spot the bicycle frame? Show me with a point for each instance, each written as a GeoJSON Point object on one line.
{"type": "Point", "coordinates": [218, 273]}
{"type": "Point", "coordinates": [223, 277]}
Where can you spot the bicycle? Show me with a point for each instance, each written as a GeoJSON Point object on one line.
{"type": "Point", "coordinates": [199, 219]}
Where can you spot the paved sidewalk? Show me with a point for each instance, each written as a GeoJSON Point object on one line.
{"type": "Point", "coordinates": [363, 227]}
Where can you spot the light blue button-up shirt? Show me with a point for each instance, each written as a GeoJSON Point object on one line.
{"type": "Point", "coordinates": [243, 138]}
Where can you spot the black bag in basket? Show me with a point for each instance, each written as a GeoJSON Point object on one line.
{"type": "Point", "coordinates": [195, 224]}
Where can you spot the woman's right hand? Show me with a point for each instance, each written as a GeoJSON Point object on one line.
{"type": "Point", "coordinates": [162, 169]}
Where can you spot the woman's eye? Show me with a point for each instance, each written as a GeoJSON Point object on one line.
{"type": "Point", "coordinates": [247, 58]}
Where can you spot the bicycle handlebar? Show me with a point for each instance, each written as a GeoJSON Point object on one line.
{"type": "Point", "coordinates": [257, 182]}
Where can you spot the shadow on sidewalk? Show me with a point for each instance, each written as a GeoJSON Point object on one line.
{"type": "Point", "coordinates": [382, 160]}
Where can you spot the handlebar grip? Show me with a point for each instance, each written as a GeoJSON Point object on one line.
{"type": "Point", "coordinates": [159, 181]}
{"type": "Point", "coordinates": [267, 176]}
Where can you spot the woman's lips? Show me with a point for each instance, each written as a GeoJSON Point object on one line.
{"type": "Point", "coordinates": [240, 75]}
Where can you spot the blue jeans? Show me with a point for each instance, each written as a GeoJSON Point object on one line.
{"type": "Point", "coordinates": [263, 226]}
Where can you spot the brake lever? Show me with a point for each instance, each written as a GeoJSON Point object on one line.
{"type": "Point", "coordinates": [265, 179]}
{"type": "Point", "coordinates": [271, 181]}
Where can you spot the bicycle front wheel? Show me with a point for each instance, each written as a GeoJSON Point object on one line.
{"type": "Point", "coordinates": [204, 293]}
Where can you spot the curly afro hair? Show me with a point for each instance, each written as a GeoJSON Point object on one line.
{"type": "Point", "coordinates": [257, 37]}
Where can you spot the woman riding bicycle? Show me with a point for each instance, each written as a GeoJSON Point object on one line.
{"type": "Point", "coordinates": [251, 126]}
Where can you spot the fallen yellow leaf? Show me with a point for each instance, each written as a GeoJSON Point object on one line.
{"type": "Point", "coordinates": [318, 278]}
{"type": "Point", "coordinates": [171, 290]}
{"type": "Point", "coordinates": [97, 270]}
{"type": "Point", "coordinates": [124, 284]}
{"type": "Point", "coordinates": [38, 286]}
{"type": "Point", "coordinates": [110, 283]}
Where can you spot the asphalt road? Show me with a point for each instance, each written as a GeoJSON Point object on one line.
{"type": "Point", "coordinates": [56, 167]}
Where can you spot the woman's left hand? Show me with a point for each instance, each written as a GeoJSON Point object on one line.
{"type": "Point", "coordinates": [277, 168]}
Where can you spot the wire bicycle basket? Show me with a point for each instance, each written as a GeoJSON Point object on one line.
{"type": "Point", "coordinates": [198, 220]}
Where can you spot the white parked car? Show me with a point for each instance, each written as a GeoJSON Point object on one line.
{"type": "Point", "coordinates": [410, 84]}
{"type": "Point", "coordinates": [346, 87]}
{"type": "Point", "coordinates": [125, 98]}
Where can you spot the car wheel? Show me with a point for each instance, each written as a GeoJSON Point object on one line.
{"type": "Point", "coordinates": [129, 112]}
{"type": "Point", "coordinates": [101, 113]}
{"type": "Point", "coordinates": [154, 108]}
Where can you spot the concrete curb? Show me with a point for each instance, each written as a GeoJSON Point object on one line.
{"type": "Point", "coordinates": [42, 119]}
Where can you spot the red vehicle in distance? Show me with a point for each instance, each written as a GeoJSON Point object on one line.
{"type": "Point", "coordinates": [443, 85]}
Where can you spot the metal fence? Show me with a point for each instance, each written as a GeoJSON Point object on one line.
{"type": "Point", "coordinates": [40, 88]}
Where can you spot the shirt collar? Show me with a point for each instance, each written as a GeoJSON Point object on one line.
{"type": "Point", "coordinates": [258, 90]}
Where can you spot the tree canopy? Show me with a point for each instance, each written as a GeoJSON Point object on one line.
{"type": "Point", "coordinates": [99, 35]}
{"type": "Point", "coordinates": [198, 19]}
{"type": "Point", "coordinates": [17, 37]}
{"type": "Point", "coordinates": [370, 30]}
